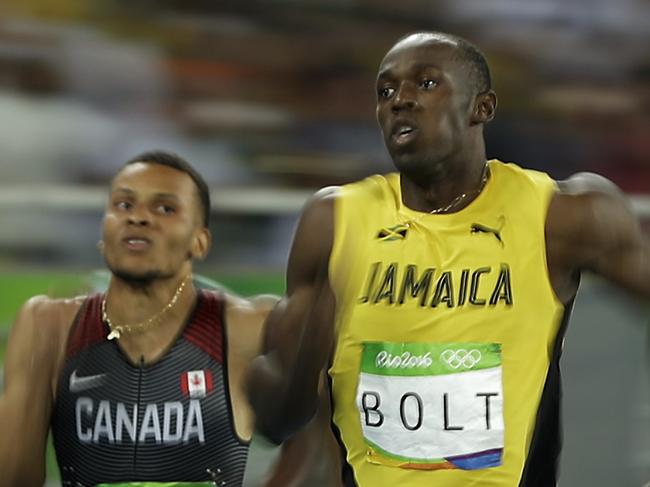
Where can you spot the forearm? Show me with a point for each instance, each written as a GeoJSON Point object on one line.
{"type": "Point", "coordinates": [22, 458]}
{"type": "Point", "coordinates": [16, 472]}
{"type": "Point", "coordinates": [281, 405]}
{"type": "Point", "coordinates": [35, 342]}
{"type": "Point", "coordinates": [283, 385]}
{"type": "Point", "coordinates": [313, 455]}
{"type": "Point", "coordinates": [284, 393]}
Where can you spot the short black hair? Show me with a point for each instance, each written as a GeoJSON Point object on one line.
{"type": "Point", "coordinates": [468, 53]}
{"type": "Point", "coordinates": [175, 161]}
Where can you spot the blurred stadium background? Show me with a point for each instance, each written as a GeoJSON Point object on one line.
{"type": "Point", "coordinates": [272, 99]}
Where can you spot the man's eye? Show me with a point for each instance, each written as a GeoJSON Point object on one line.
{"type": "Point", "coordinates": [386, 92]}
{"type": "Point", "coordinates": [122, 205]}
{"type": "Point", "coordinates": [428, 84]}
{"type": "Point", "coordinates": [166, 209]}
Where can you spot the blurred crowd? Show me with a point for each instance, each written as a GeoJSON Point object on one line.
{"type": "Point", "coordinates": [279, 95]}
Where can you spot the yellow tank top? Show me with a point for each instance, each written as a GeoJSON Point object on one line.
{"type": "Point", "coordinates": [445, 328]}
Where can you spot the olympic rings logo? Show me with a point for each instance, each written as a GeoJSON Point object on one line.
{"type": "Point", "coordinates": [461, 358]}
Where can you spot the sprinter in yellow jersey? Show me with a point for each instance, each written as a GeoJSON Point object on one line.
{"type": "Point", "coordinates": [438, 296]}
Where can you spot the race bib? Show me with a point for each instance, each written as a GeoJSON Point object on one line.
{"type": "Point", "coordinates": [432, 405]}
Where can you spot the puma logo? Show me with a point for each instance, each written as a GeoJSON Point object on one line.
{"type": "Point", "coordinates": [480, 228]}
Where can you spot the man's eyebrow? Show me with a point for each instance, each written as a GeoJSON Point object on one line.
{"type": "Point", "coordinates": [384, 73]}
{"type": "Point", "coordinates": [165, 196]}
{"type": "Point", "coordinates": [421, 66]}
{"type": "Point", "coordinates": [161, 195]}
{"type": "Point", "coordinates": [122, 190]}
{"type": "Point", "coordinates": [387, 73]}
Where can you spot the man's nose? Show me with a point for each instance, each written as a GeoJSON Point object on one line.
{"type": "Point", "coordinates": [405, 97]}
{"type": "Point", "coordinates": [139, 216]}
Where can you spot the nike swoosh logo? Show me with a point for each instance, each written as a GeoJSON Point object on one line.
{"type": "Point", "coordinates": [78, 384]}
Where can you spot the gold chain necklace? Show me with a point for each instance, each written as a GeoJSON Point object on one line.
{"type": "Point", "coordinates": [118, 330]}
{"type": "Point", "coordinates": [456, 201]}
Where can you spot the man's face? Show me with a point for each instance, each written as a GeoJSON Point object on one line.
{"type": "Point", "coordinates": [152, 226]}
{"type": "Point", "coordinates": [424, 101]}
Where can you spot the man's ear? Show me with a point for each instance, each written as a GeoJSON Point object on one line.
{"type": "Point", "coordinates": [201, 244]}
{"type": "Point", "coordinates": [485, 107]}
{"type": "Point", "coordinates": [100, 247]}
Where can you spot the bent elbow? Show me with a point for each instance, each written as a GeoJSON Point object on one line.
{"type": "Point", "coordinates": [279, 426]}
{"type": "Point", "coordinates": [275, 435]}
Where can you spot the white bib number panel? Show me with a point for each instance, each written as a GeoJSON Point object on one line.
{"type": "Point", "coordinates": [432, 406]}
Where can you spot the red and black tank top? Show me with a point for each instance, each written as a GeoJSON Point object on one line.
{"type": "Point", "coordinates": [114, 421]}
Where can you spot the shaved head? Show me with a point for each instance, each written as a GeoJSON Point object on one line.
{"type": "Point", "coordinates": [466, 52]}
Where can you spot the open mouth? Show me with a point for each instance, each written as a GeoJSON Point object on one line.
{"type": "Point", "coordinates": [136, 243]}
{"type": "Point", "coordinates": [403, 133]}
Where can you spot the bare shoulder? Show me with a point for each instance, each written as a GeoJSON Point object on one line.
{"type": "Point", "coordinates": [250, 309]}
{"type": "Point", "coordinates": [245, 320]}
{"type": "Point", "coordinates": [313, 239]}
{"type": "Point", "coordinates": [589, 208]}
{"type": "Point", "coordinates": [588, 183]}
{"type": "Point", "coordinates": [39, 333]}
{"type": "Point", "coordinates": [327, 193]}
{"type": "Point", "coordinates": [46, 316]}
{"type": "Point", "coordinates": [318, 212]}
{"type": "Point", "coordinates": [317, 215]}
{"type": "Point", "coordinates": [589, 218]}
{"type": "Point", "coordinates": [321, 204]}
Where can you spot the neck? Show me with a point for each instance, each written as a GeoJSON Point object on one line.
{"type": "Point", "coordinates": [131, 302]}
{"type": "Point", "coordinates": [443, 190]}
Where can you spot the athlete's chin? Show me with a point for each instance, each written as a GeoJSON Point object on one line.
{"type": "Point", "coordinates": [421, 165]}
{"type": "Point", "coordinates": [411, 164]}
{"type": "Point", "coordinates": [136, 276]}
{"type": "Point", "coordinates": [139, 278]}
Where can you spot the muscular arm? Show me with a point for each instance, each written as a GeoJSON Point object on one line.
{"type": "Point", "coordinates": [26, 404]}
{"type": "Point", "coordinates": [590, 226]}
{"type": "Point", "coordinates": [283, 383]}
{"type": "Point", "coordinates": [312, 456]}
